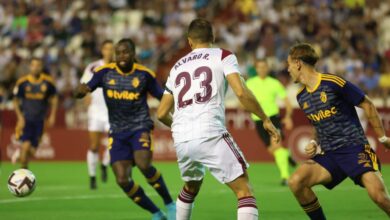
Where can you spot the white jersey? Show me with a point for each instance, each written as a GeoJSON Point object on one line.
{"type": "Point", "coordinates": [98, 106]}
{"type": "Point", "coordinates": [198, 84]}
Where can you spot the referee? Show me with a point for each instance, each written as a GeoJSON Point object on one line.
{"type": "Point", "coordinates": [267, 90]}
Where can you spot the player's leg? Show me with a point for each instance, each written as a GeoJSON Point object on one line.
{"type": "Point", "coordinates": [122, 161]}
{"type": "Point", "coordinates": [93, 156]}
{"type": "Point", "coordinates": [25, 154]}
{"type": "Point", "coordinates": [122, 171]}
{"type": "Point", "coordinates": [247, 208]}
{"type": "Point", "coordinates": [280, 154]}
{"type": "Point", "coordinates": [185, 200]}
{"type": "Point", "coordinates": [143, 152]}
{"type": "Point", "coordinates": [376, 189]}
{"type": "Point", "coordinates": [302, 180]}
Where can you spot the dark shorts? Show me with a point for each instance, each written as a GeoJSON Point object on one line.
{"type": "Point", "coordinates": [350, 161]}
{"type": "Point", "coordinates": [264, 134]}
{"type": "Point", "coordinates": [32, 132]}
{"type": "Point", "coordinates": [123, 144]}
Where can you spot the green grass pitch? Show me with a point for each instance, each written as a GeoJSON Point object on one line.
{"type": "Point", "coordinates": [62, 193]}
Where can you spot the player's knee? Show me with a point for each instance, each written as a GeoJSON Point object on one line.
{"type": "Point", "coordinates": [122, 181]}
{"type": "Point", "coordinates": [94, 148]}
{"type": "Point", "coordinates": [295, 182]}
{"type": "Point", "coordinates": [144, 166]}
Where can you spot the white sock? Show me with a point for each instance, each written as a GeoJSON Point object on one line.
{"type": "Point", "coordinates": [247, 209]}
{"type": "Point", "coordinates": [247, 213]}
{"type": "Point", "coordinates": [92, 161]}
{"type": "Point", "coordinates": [183, 210]}
{"type": "Point", "coordinates": [106, 157]}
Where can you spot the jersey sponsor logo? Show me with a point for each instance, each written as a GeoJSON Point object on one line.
{"type": "Point", "coordinates": [135, 82]}
{"type": "Point", "coordinates": [322, 114]}
{"type": "Point", "coordinates": [37, 96]}
{"type": "Point", "coordinates": [111, 82]}
{"type": "Point", "coordinates": [123, 95]}
{"type": "Point", "coordinates": [323, 97]}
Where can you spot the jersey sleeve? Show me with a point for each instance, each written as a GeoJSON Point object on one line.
{"type": "Point", "coordinates": [97, 80]}
{"type": "Point", "coordinates": [19, 90]}
{"type": "Point", "coordinates": [352, 93]}
{"type": "Point", "coordinates": [88, 74]}
{"type": "Point", "coordinates": [230, 64]}
{"type": "Point", "coordinates": [154, 88]}
{"type": "Point", "coordinates": [168, 86]}
{"type": "Point", "coordinates": [52, 90]}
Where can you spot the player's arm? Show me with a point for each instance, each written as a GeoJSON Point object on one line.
{"type": "Point", "coordinates": [84, 88]}
{"type": "Point", "coordinates": [18, 94]}
{"type": "Point", "coordinates": [248, 100]}
{"type": "Point", "coordinates": [373, 117]}
{"type": "Point", "coordinates": [287, 119]}
{"type": "Point", "coordinates": [53, 100]}
{"type": "Point", "coordinates": [164, 109]}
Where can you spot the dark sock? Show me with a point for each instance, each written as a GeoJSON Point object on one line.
{"type": "Point", "coordinates": [155, 179]}
{"type": "Point", "coordinates": [313, 210]}
{"type": "Point", "coordinates": [137, 194]}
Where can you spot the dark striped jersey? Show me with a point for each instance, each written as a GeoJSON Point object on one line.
{"type": "Point", "coordinates": [330, 108]}
{"type": "Point", "coordinates": [34, 94]}
{"type": "Point", "coordinates": [126, 95]}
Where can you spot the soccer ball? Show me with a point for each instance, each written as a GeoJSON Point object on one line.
{"type": "Point", "coordinates": [21, 182]}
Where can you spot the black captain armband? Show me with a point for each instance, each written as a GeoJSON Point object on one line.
{"type": "Point", "coordinates": [168, 90]}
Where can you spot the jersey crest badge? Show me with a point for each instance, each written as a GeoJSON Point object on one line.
{"type": "Point", "coordinates": [323, 97]}
{"type": "Point", "coordinates": [111, 82]}
{"type": "Point", "coordinates": [135, 82]}
{"type": "Point", "coordinates": [305, 105]}
{"type": "Point", "coordinates": [43, 88]}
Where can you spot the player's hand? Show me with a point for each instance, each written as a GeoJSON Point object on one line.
{"type": "Point", "coordinates": [311, 149]}
{"type": "Point", "coordinates": [288, 123]}
{"type": "Point", "coordinates": [81, 91]}
{"type": "Point", "coordinates": [387, 143]}
{"type": "Point", "coordinates": [272, 131]}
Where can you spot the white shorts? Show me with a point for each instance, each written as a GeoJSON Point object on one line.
{"type": "Point", "coordinates": [219, 154]}
{"type": "Point", "coordinates": [98, 124]}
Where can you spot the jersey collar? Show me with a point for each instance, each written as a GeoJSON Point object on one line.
{"type": "Point", "coordinates": [32, 79]}
{"type": "Point", "coordinates": [315, 87]}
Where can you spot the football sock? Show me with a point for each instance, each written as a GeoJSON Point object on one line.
{"type": "Point", "coordinates": [247, 209]}
{"type": "Point", "coordinates": [137, 194]}
{"type": "Point", "coordinates": [281, 158]}
{"type": "Point", "coordinates": [92, 161]}
{"type": "Point", "coordinates": [184, 204]}
{"type": "Point", "coordinates": [155, 179]}
{"type": "Point", "coordinates": [106, 158]}
{"type": "Point", "coordinates": [313, 210]}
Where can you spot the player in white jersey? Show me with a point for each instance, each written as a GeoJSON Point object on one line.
{"type": "Point", "coordinates": [195, 90]}
{"type": "Point", "coordinates": [98, 124]}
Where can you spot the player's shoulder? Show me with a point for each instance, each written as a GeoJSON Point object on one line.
{"type": "Point", "coordinates": [333, 80]}
{"type": "Point", "coordinates": [142, 68]}
{"type": "Point", "coordinates": [301, 91]}
{"type": "Point", "coordinates": [225, 53]}
{"type": "Point", "coordinates": [22, 80]}
{"type": "Point", "coordinates": [94, 65]}
{"type": "Point", "coordinates": [105, 67]}
{"type": "Point", "coordinates": [48, 78]}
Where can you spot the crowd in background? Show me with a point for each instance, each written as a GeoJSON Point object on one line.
{"type": "Point", "coordinates": [352, 36]}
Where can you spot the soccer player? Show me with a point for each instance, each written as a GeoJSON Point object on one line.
{"type": "Point", "coordinates": [126, 85]}
{"type": "Point", "coordinates": [34, 94]}
{"type": "Point", "coordinates": [328, 101]}
{"type": "Point", "coordinates": [195, 89]}
{"type": "Point", "coordinates": [97, 116]}
{"type": "Point", "coordinates": [267, 90]}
